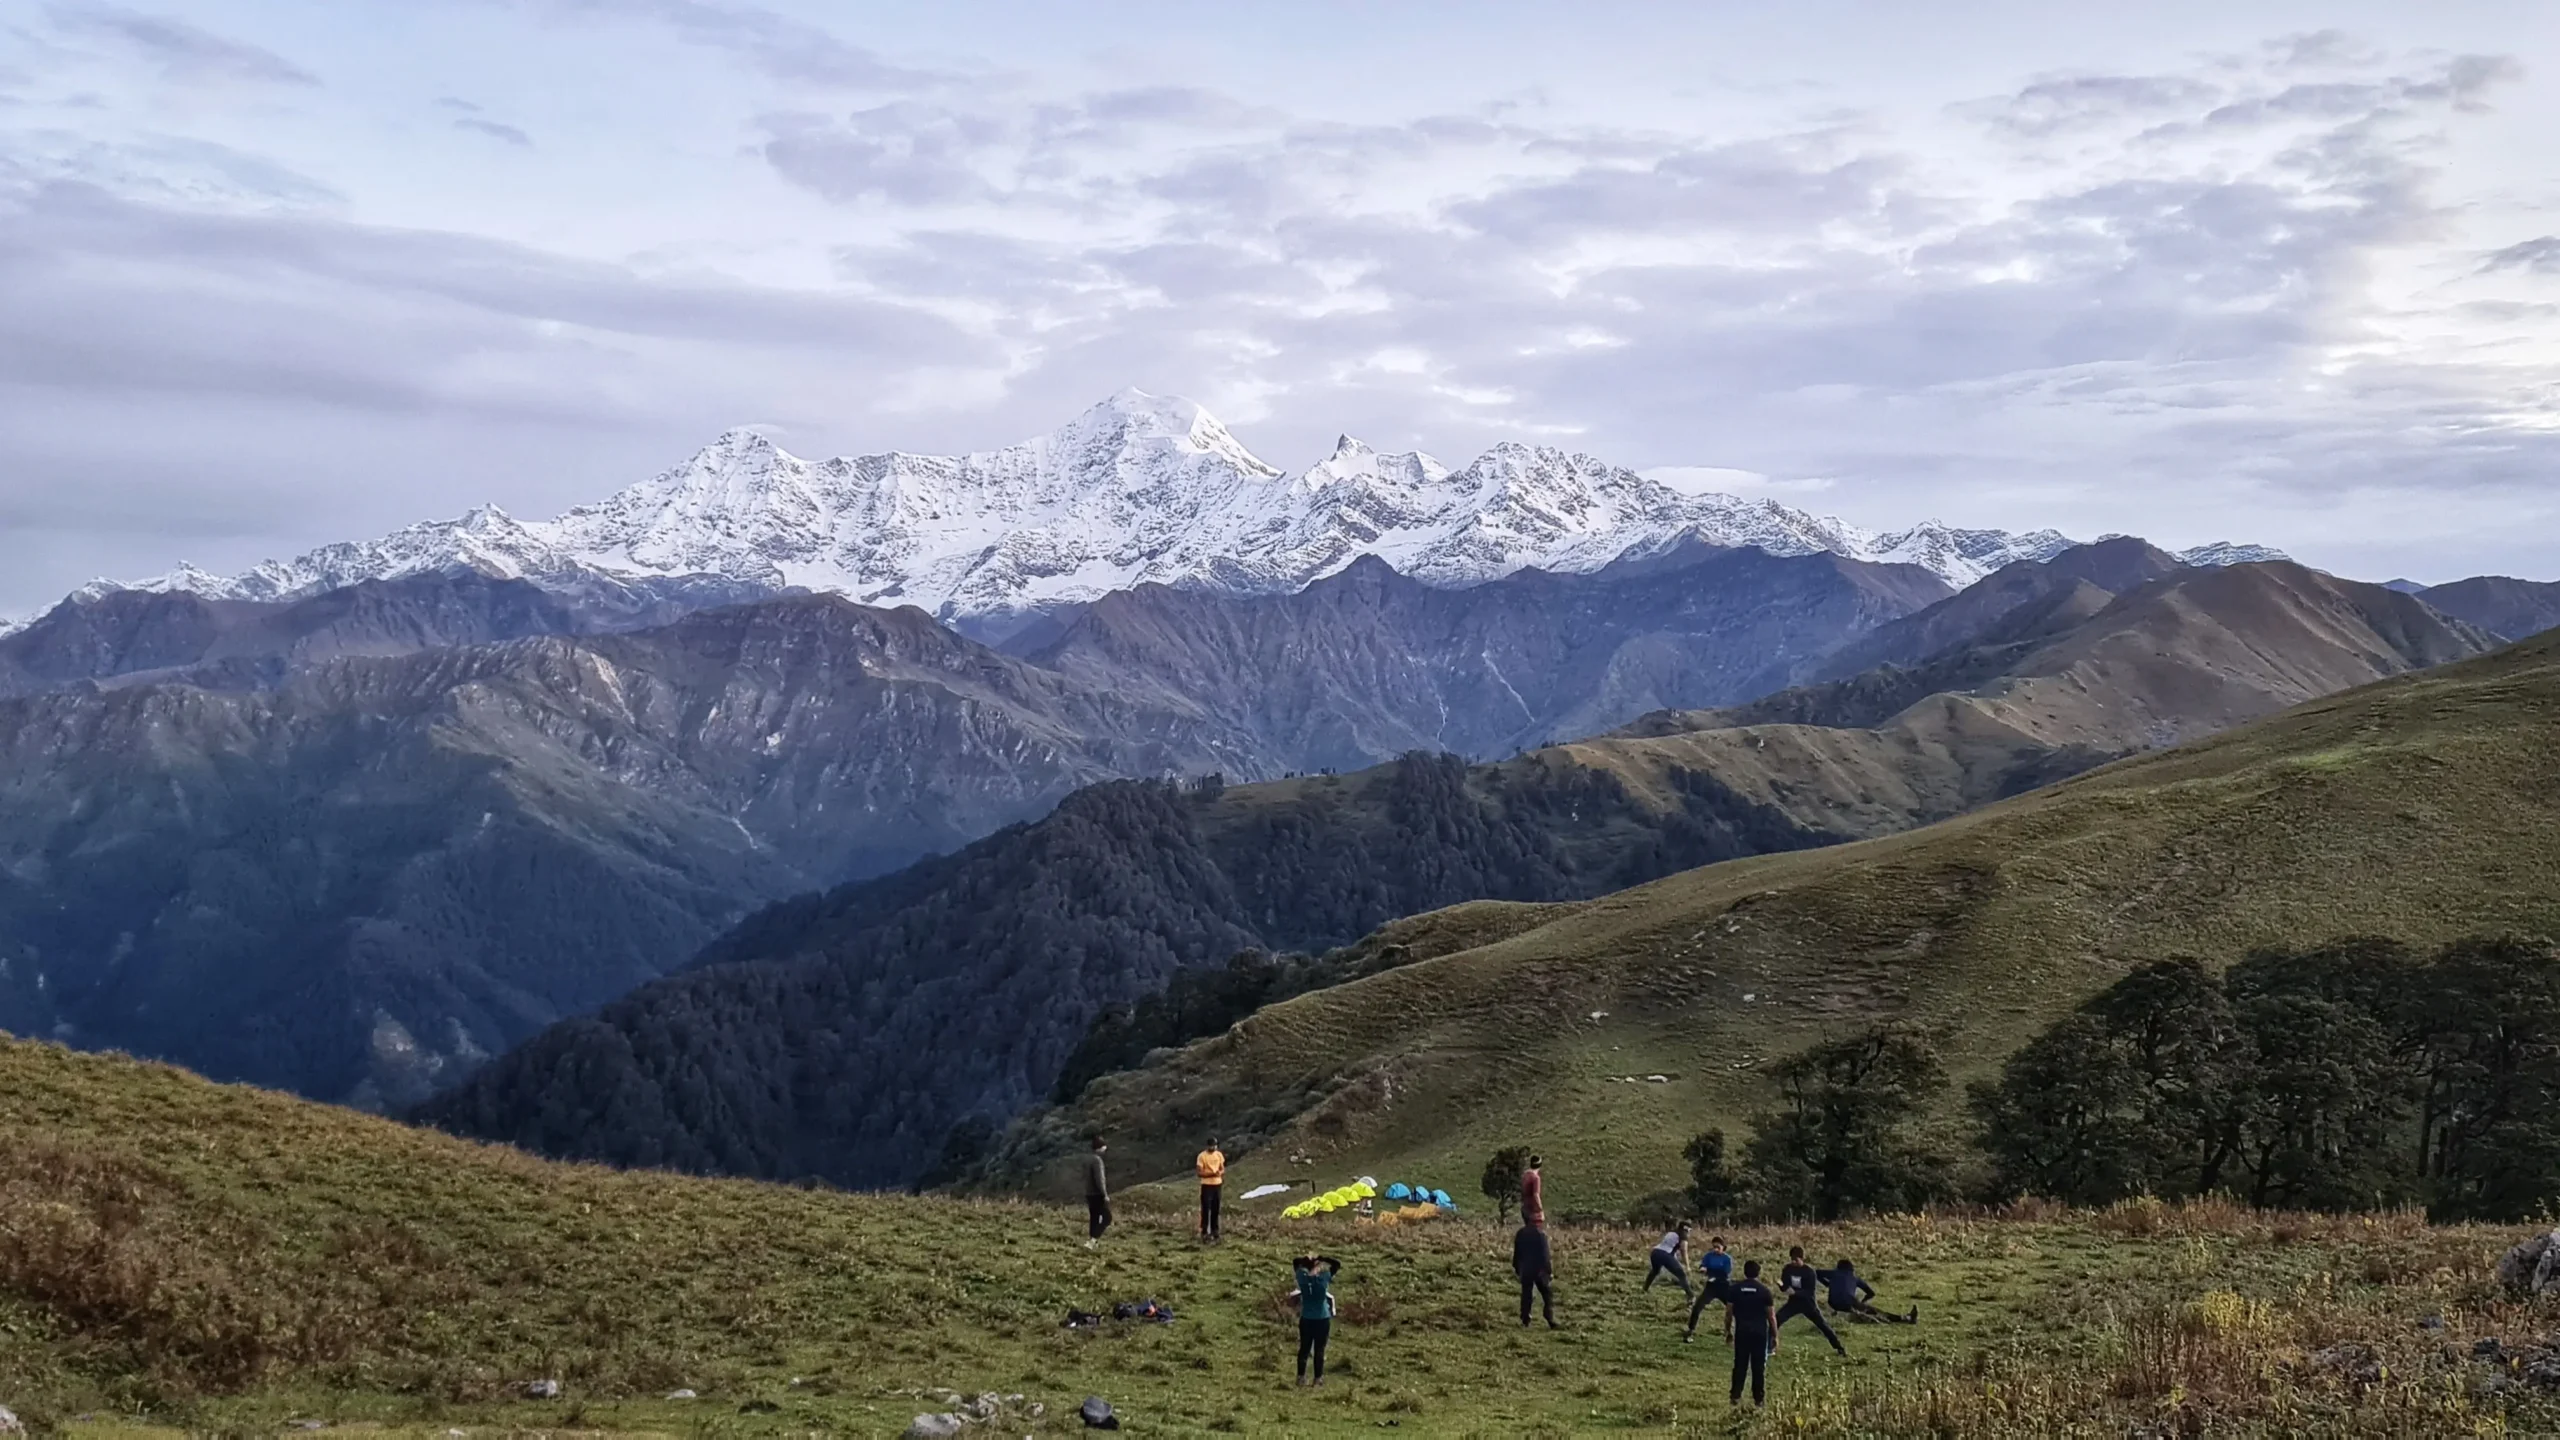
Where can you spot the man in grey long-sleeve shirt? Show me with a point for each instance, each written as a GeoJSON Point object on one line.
{"type": "Point", "coordinates": [1097, 1195]}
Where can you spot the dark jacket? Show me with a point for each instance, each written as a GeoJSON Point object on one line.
{"type": "Point", "coordinates": [1095, 1187]}
{"type": "Point", "coordinates": [1531, 1259]}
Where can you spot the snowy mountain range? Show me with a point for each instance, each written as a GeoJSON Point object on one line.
{"type": "Point", "coordinates": [1140, 488]}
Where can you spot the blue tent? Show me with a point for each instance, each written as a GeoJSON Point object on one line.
{"type": "Point", "coordinates": [1399, 1192]}
{"type": "Point", "coordinates": [1441, 1199]}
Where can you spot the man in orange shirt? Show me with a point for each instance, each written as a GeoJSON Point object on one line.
{"type": "Point", "coordinates": [1212, 1166]}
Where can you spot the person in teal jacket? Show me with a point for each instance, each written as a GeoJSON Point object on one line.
{"type": "Point", "coordinates": [1315, 1310]}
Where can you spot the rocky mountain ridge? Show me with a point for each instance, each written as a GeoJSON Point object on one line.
{"type": "Point", "coordinates": [1140, 489]}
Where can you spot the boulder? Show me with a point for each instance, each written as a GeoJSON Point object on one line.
{"type": "Point", "coordinates": [935, 1427]}
{"type": "Point", "coordinates": [1096, 1414]}
{"type": "Point", "coordinates": [542, 1390]}
{"type": "Point", "coordinates": [682, 1395]}
{"type": "Point", "coordinates": [10, 1424]}
{"type": "Point", "coordinates": [2350, 1361]}
{"type": "Point", "coordinates": [2533, 1267]}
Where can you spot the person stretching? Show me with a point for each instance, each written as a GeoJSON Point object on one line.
{"type": "Point", "coordinates": [1212, 1166]}
{"type": "Point", "coordinates": [1533, 1194]}
{"type": "Point", "coordinates": [1097, 1195]}
{"type": "Point", "coordinates": [1533, 1260]}
{"type": "Point", "coordinates": [1315, 1310]}
{"type": "Point", "coordinates": [1755, 1331]}
{"type": "Point", "coordinates": [1855, 1298]}
{"type": "Point", "coordinates": [1667, 1257]}
{"type": "Point", "coordinates": [1718, 1266]}
{"type": "Point", "coordinates": [1797, 1282]}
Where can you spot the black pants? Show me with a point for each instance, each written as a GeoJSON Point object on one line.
{"type": "Point", "coordinates": [1545, 1292]}
{"type": "Point", "coordinates": [1751, 1358]}
{"type": "Point", "coordinates": [1210, 1195]}
{"type": "Point", "coordinates": [1666, 1265]}
{"type": "Point", "coordinates": [1097, 1216]}
{"type": "Point", "coordinates": [1311, 1337]}
{"type": "Point", "coordinates": [1867, 1314]}
{"type": "Point", "coordinates": [1708, 1294]}
{"type": "Point", "coordinates": [1803, 1305]}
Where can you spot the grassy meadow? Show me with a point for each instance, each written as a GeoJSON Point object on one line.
{"type": "Point", "coordinates": [180, 1256]}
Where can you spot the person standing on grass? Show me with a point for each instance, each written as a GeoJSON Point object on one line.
{"type": "Point", "coordinates": [1855, 1298]}
{"type": "Point", "coordinates": [1718, 1265]}
{"type": "Point", "coordinates": [1533, 1194]}
{"type": "Point", "coordinates": [1212, 1165]}
{"type": "Point", "coordinates": [1669, 1257]}
{"type": "Point", "coordinates": [1755, 1331]}
{"type": "Point", "coordinates": [1097, 1195]}
{"type": "Point", "coordinates": [1798, 1282]}
{"type": "Point", "coordinates": [1314, 1275]}
{"type": "Point", "coordinates": [1533, 1260]}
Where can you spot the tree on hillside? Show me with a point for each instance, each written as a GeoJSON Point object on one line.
{"type": "Point", "coordinates": [1845, 1133]}
{"type": "Point", "coordinates": [1501, 1183]}
{"type": "Point", "coordinates": [1713, 1188]}
{"type": "Point", "coordinates": [2191, 1068]}
{"type": "Point", "coordinates": [2064, 1119]}
{"type": "Point", "coordinates": [2484, 1034]}
{"type": "Point", "coordinates": [2339, 1077]}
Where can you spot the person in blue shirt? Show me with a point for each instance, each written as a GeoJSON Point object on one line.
{"type": "Point", "coordinates": [1315, 1310]}
{"type": "Point", "coordinates": [1855, 1298]}
{"type": "Point", "coordinates": [1718, 1265]}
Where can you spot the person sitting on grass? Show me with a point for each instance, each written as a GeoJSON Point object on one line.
{"type": "Point", "coordinates": [1718, 1265]}
{"type": "Point", "coordinates": [1855, 1298]}
{"type": "Point", "coordinates": [1667, 1257]}
{"type": "Point", "coordinates": [1314, 1274]}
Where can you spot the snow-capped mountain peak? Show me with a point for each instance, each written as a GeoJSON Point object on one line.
{"type": "Point", "coordinates": [1140, 488]}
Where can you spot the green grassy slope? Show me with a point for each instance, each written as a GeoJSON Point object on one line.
{"type": "Point", "coordinates": [179, 1255]}
{"type": "Point", "coordinates": [2422, 807]}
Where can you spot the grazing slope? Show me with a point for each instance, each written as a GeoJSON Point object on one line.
{"type": "Point", "coordinates": [383, 869]}
{"type": "Point", "coordinates": [213, 1260]}
{"type": "Point", "coordinates": [2424, 807]}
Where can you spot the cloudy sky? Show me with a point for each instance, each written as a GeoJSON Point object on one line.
{"type": "Point", "coordinates": [276, 272]}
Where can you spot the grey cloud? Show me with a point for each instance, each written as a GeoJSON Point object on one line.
{"type": "Point", "coordinates": [906, 153]}
{"type": "Point", "coordinates": [2065, 103]}
{"type": "Point", "coordinates": [182, 51]}
{"type": "Point", "coordinates": [2539, 255]}
{"type": "Point", "coordinates": [456, 102]}
{"type": "Point", "coordinates": [779, 45]}
{"type": "Point", "coordinates": [103, 292]}
{"type": "Point", "coordinates": [494, 130]}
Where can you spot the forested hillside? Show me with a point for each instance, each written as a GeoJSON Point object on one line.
{"type": "Point", "coordinates": [844, 1036]}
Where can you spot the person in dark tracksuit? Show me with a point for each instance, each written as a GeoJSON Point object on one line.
{"type": "Point", "coordinates": [1667, 1258]}
{"type": "Point", "coordinates": [1097, 1195]}
{"type": "Point", "coordinates": [1315, 1310]}
{"type": "Point", "coordinates": [1798, 1282]}
{"type": "Point", "coordinates": [1718, 1265]}
{"type": "Point", "coordinates": [1755, 1331]}
{"type": "Point", "coordinates": [1855, 1298]}
{"type": "Point", "coordinates": [1533, 1260]}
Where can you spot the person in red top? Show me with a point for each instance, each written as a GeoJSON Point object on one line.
{"type": "Point", "coordinates": [1533, 1195]}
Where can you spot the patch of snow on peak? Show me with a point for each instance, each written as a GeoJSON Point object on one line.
{"type": "Point", "coordinates": [2224, 552]}
{"type": "Point", "coordinates": [1140, 488]}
